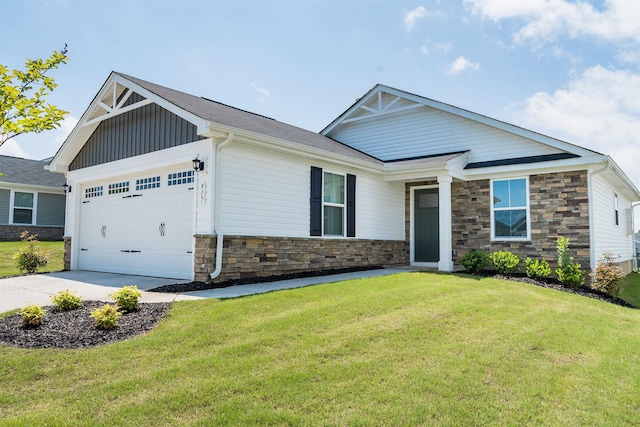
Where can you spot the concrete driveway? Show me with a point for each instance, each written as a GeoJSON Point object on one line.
{"type": "Point", "coordinates": [18, 292]}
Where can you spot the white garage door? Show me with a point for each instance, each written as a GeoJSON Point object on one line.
{"type": "Point", "coordinates": [139, 225]}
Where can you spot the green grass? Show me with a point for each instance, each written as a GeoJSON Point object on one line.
{"type": "Point", "coordinates": [8, 265]}
{"type": "Point", "coordinates": [631, 289]}
{"type": "Point", "coordinates": [409, 349]}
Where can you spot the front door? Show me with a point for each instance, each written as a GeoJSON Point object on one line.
{"type": "Point", "coordinates": [426, 226]}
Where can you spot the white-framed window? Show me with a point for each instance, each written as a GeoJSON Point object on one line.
{"type": "Point", "coordinates": [615, 208]}
{"type": "Point", "coordinates": [510, 219]}
{"type": "Point", "coordinates": [333, 204]}
{"type": "Point", "coordinates": [23, 207]}
{"type": "Point", "coordinates": [147, 183]}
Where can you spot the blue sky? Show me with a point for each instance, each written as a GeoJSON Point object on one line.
{"type": "Point", "coordinates": [567, 69]}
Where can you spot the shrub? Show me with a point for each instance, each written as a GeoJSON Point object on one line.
{"type": "Point", "coordinates": [607, 277]}
{"type": "Point", "coordinates": [127, 297]}
{"type": "Point", "coordinates": [568, 272]}
{"type": "Point", "coordinates": [505, 262]}
{"type": "Point", "coordinates": [32, 315]}
{"type": "Point", "coordinates": [537, 270]}
{"type": "Point", "coordinates": [474, 261]}
{"type": "Point", "coordinates": [66, 300]}
{"type": "Point", "coordinates": [106, 316]}
{"type": "Point", "coordinates": [31, 257]}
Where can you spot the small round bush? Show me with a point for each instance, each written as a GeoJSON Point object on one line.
{"type": "Point", "coordinates": [106, 316]}
{"type": "Point", "coordinates": [32, 315]}
{"type": "Point", "coordinates": [474, 261]}
{"type": "Point", "coordinates": [30, 258]}
{"type": "Point", "coordinates": [505, 262]}
{"type": "Point", "coordinates": [127, 297]}
{"type": "Point", "coordinates": [607, 277]}
{"type": "Point", "coordinates": [537, 270]}
{"type": "Point", "coordinates": [66, 300]}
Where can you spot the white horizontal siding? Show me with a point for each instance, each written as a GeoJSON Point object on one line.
{"type": "Point", "coordinates": [427, 131]}
{"type": "Point", "coordinates": [267, 194]}
{"type": "Point", "coordinates": [609, 237]}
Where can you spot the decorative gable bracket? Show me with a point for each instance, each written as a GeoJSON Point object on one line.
{"type": "Point", "coordinates": [112, 104]}
{"type": "Point", "coordinates": [379, 104]}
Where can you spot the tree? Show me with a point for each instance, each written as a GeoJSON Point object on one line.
{"type": "Point", "coordinates": [22, 108]}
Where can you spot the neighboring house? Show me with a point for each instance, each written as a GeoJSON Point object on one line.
{"type": "Point", "coordinates": [396, 179]}
{"type": "Point", "coordinates": [31, 198]}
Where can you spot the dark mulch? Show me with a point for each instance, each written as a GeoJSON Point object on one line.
{"type": "Point", "coordinates": [582, 291]}
{"type": "Point", "coordinates": [203, 286]}
{"type": "Point", "coordinates": [75, 328]}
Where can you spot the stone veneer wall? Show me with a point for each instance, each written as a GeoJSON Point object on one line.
{"type": "Point", "coordinates": [12, 232]}
{"type": "Point", "coordinates": [559, 206]}
{"type": "Point", "coordinates": [248, 257]}
{"type": "Point", "coordinates": [67, 254]}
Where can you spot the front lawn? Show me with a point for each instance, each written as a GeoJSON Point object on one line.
{"type": "Point", "coordinates": [409, 349]}
{"type": "Point", "coordinates": [8, 265]}
{"type": "Point", "coordinates": [631, 289]}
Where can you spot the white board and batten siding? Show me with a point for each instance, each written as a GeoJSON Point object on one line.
{"type": "Point", "coordinates": [267, 194]}
{"type": "Point", "coordinates": [427, 131]}
{"type": "Point", "coordinates": [608, 236]}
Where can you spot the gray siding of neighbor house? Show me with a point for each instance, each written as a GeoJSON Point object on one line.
{"type": "Point", "coordinates": [143, 130]}
{"type": "Point", "coordinates": [5, 196]}
{"type": "Point", "coordinates": [50, 209]}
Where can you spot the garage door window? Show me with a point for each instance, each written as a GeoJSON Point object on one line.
{"type": "Point", "coordinates": [180, 178]}
{"type": "Point", "coordinates": [147, 183]}
{"type": "Point", "coordinates": [22, 208]}
{"type": "Point", "coordinates": [92, 192]}
{"type": "Point", "coordinates": [119, 187]}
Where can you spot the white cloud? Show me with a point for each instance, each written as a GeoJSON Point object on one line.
{"type": "Point", "coordinates": [461, 64]}
{"type": "Point", "coordinates": [12, 148]}
{"type": "Point", "coordinates": [598, 110]}
{"type": "Point", "coordinates": [424, 49]}
{"type": "Point", "coordinates": [546, 19]}
{"type": "Point", "coordinates": [262, 92]}
{"type": "Point", "coordinates": [411, 17]}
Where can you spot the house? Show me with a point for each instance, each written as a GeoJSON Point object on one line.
{"type": "Point", "coordinates": [31, 198]}
{"type": "Point", "coordinates": [174, 185]}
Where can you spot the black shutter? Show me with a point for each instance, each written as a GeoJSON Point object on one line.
{"type": "Point", "coordinates": [316, 201]}
{"type": "Point", "coordinates": [351, 205]}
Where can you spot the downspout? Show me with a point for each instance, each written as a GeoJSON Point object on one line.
{"type": "Point", "coordinates": [216, 207]}
{"type": "Point", "coordinates": [592, 237]}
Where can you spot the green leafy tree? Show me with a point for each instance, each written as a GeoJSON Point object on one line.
{"type": "Point", "coordinates": [23, 107]}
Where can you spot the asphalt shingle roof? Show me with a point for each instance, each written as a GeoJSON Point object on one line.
{"type": "Point", "coordinates": [229, 116]}
{"type": "Point", "coordinates": [29, 172]}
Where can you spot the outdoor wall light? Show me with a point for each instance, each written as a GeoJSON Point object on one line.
{"type": "Point", "coordinates": [67, 188]}
{"type": "Point", "coordinates": [198, 165]}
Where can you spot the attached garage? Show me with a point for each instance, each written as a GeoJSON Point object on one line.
{"type": "Point", "coordinates": [140, 224]}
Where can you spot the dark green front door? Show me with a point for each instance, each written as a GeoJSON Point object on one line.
{"type": "Point", "coordinates": [426, 226]}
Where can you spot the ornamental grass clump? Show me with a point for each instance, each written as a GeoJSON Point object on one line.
{"type": "Point", "coordinates": [32, 315]}
{"type": "Point", "coordinates": [127, 298]}
{"type": "Point", "coordinates": [537, 269]}
{"type": "Point", "coordinates": [66, 300]}
{"type": "Point", "coordinates": [505, 262]}
{"type": "Point", "coordinates": [568, 272]}
{"type": "Point", "coordinates": [30, 258]}
{"type": "Point", "coordinates": [607, 277]}
{"type": "Point", "coordinates": [106, 316]}
{"type": "Point", "coordinates": [474, 262]}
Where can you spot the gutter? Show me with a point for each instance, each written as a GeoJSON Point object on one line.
{"type": "Point", "coordinates": [592, 237]}
{"type": "Point", "coordinates": [216, 207]}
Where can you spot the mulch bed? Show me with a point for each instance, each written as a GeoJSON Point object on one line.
{"type": "Point", "coordinates": [75, 328]}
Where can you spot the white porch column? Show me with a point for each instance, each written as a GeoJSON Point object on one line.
{"type": "Point", "coordinates": [444, 192]}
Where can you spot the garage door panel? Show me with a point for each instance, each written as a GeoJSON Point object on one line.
{"type": "Point", "coordinates": [148, 232]}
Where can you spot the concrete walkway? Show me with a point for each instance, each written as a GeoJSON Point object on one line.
{"type": "Point", "coordinates": [18, 292]}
